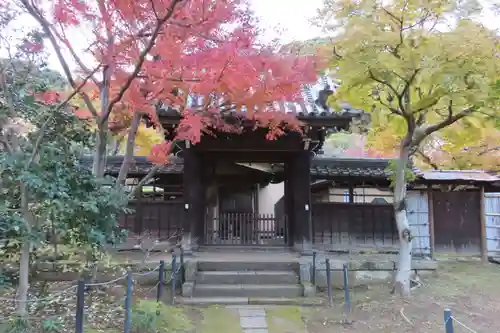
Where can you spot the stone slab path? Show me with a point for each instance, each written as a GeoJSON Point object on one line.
{"type": "Point", "coordinates": [253, 319]}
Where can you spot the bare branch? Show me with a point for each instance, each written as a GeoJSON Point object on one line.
{"type": "Point", "coordinates": [404, 97]}
{"type": "Point", "coordinates": [400, 22]}
{"type": "Point", "coordinates": [143, 181]}
{"type": "Point", "coordinates": [383, 82]}
{"type": "Point", "coordinates": [388, 85]}
{"type": "Point", "coordinates": [489, 150]}
{"type": "Point", "coordinates": [6, 90]}
{"type": "Point", "coordinates": [427, 159]}
{"type": "Point", "coordinates": [390, 108]}
{"type": "Point", "coordinates": [140, 60]}
{"type": "Point", "coordinates": [6, 144]}
{"type": "Point", "coordinates": [147, 243]}
{"type": "Point", "coordinates": [79, 61]}
{"type": "Point", "coordinates": [336, 54]}
{"type": "Point", "coordinates": [452, 118]}
{"type": "Point", "coordinates": [37, 15]}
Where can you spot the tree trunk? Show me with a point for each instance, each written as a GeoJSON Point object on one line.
{"type": "Point", "coordinates": [102, 126]}
{"type": "Point", "coordinates": [24, 261]}
{"type": "Point", "coordinates": [402, 279]}
{"type": "Point", "coordinates": [100, 150]}
{"type": "Point", "coordinates": [129, 150]}
{"type": "Point", "coordinates": [24, 285]}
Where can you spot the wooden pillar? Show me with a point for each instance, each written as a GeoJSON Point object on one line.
{"type": "Point", "coordinates": [288, 208]}
{"type": "Point", "coordinates": [430, 209]}
{"type": "Point", "coordinates": [300, 179]}
{"type": "Point", "coordinates": [484, 237]}
{"type": "Point", "coordinates": [194, 201]}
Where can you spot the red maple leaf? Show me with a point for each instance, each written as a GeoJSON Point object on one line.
{"type": "Point", "coordinates": [176, 52]}
{"type": "Point", "coordinates": [49, 97]}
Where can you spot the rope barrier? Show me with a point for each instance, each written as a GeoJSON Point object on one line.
{"type": "Point", "coordinates": [105, 283]}
{"type": "Point", "coordinates": [455, 320]}
{"type": "Point", "coordinates": [148, 272]}
{"type": "Point", "coordinates": [53, 296]}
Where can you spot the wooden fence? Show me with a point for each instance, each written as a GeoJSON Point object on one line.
{"type": "Point", "coordinates": [345, 224]}
{"type": "Point", "coordinates": [161, 219]}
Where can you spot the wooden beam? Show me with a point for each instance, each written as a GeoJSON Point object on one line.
{"type": "Point", "coordinates": [250, 156]}
{"type": "Point", "coordinates": [194, 201]}
{"type": "Point", "coordinates": [482, 216]}
{"type": "Point", "coordinates": [430, 209]}
{"type": "Point", "coordinates": [351, 193]}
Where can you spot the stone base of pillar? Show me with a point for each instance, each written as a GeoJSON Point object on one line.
{"type": "Point", "coordinates": [187, 244]}
{"type": "Point", "coordinates": [303, 247]}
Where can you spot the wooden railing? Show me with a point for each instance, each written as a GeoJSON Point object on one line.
{"type": "Point", "coordinates": [246, 229]}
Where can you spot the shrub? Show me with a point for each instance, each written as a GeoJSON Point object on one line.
{"type": "Point", "coordinates": [151, 317]}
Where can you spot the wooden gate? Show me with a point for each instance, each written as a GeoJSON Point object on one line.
{"type": "Point", "coordinates": [457, 225]}
{"type": "Point", "coordinates": [417, 209]}
{"type": "Point", "coordinates": [246, 229]}
{"type": "Point", "coordinates": [492, 217]}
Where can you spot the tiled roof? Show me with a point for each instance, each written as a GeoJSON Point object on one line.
{"type": "Point", "coordinates": [332, 167]}
{"type": "Point", "coordinates": [322, 168]}
{"type": "Point", "coordinates": [305, 109]}
{"type": "Point", "coordinates": [458, 175]}
{"type": "Point", "coordinates": [140, 165]}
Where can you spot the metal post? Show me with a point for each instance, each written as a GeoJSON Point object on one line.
{"type": "Point", "coordinates": [346, 289]}
{"type": "Point", "coordinates": [448, 321]}
{"type": "Point", "coordinates": [174, 269]}
{"type": "Point", "coordinates": [313, 276]}
{"type": "Point", "coordinates": [329, 282]}
{"type": "Point", "coordinates": [128, 304]}
{"type": "Point", "coordinates": [80, 303]}
{"type": "Point", "coordinates": [161, 281]}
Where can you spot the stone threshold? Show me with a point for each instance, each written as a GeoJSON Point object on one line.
{"type": "Point", "coordinates": [307, 302]}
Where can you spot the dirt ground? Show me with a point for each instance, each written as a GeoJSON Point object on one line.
{"type": "Point", "coordinates": [470, 289]}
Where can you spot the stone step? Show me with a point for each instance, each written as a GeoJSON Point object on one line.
{"type": "Point", "coordinates": [245, 249]}
{"type": "Point", "coordinates": [248, 290]}
{"type": "Point", "coordinates": [239, 266]}
{"type": "Point", "coordinates": [299, 301]}
{"type": "Point", "coordinates": [247, 277]}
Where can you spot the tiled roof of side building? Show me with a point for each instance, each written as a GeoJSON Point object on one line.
{"type": "Point", "coordinates": [140, 165]}
{"type": "Point", "coordinates": [459, 175]}
{"type": "Point", "coordinates": [333, 167]}
{"type": "Point", "coordinates": [321, 168]}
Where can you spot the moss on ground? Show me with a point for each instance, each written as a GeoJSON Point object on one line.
{"type": "Point", "coordinates": [94, 330]}
{"type": "Point", "coordinates": [285, 319]}
{"type": "Point", "coordinates": [217, 319]}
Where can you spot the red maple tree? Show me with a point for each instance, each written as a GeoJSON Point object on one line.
{"type": "Point", "coordinates": [171, 50]}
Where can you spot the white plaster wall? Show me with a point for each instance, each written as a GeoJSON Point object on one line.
{"type": "Point", "coordinates": [361, 195]}
{"type": "Point", "coordinates": [268, 196]}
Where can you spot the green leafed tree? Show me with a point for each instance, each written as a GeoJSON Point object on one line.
{"type": "Point", "coordinates": [44, 190]}
{"type": "Point", "coordinates": [421, 65]}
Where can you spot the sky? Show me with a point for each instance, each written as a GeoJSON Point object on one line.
{"type": "Point", "coordinates": [292, 19]}
{"type": "Point", "coordinates": [290, 15]}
